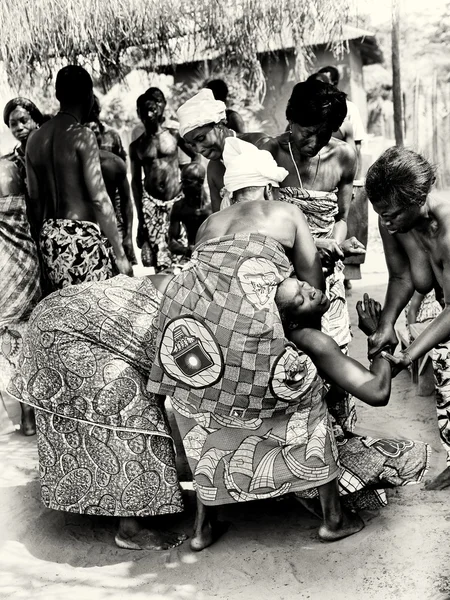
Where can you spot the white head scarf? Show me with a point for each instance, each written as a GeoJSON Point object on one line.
{"type": "Point", "coordinates": [200, 110]}
{"type": "Point", "coordinates": [246, 166]}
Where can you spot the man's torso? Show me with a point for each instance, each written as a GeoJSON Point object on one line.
{"type": "Point", "coordinates": [158, 155]}
{"type": "Point", "coordinates": [52, 151]}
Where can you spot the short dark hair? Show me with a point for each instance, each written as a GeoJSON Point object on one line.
{"type": "Point", "coordinates": [154, 93]}
{"type": "Point", "coordinates": [333, 72]}
{"type": "Point", "coordinates": [400, 177]}
{"type": "Point", "coordinates": [73, 84]}
{"type": "Point", "coordinates": [314, 102]}
{"type": "Point", "coordinates": [219, 89]}
{"type": "Point", "coordinates": [26, 104]}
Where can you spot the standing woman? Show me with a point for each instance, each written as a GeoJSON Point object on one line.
{"type": "Point", "coordinates": [19, 262]}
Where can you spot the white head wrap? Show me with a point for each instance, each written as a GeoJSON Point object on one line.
{"type": "Point", "coordinates": [246, 166]}
{"type": "Point", "coordinates": [200, 110]}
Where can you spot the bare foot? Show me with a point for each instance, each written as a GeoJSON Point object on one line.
{"type": "Point", "coordinates": [28, 421]}
{"type": "Point", "coordinates": [440, 482]}
{"type": "Point", "coordinates": [132, 537]}
{"type": "Point", "coordinates": [206, 535]}
{"type": "Point", "coordinates": [349, 524]}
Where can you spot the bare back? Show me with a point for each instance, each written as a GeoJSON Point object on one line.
{"type": "Point", "coordinates": [58, 153]}
{"type": "Point", "coordinates": [282, 222]}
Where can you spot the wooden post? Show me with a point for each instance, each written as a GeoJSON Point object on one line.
{"type": "Point", "coordinates": [396, 81]}
{"type": "Point", "coordinates": [416, 113]}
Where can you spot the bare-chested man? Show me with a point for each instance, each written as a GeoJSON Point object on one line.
{"type": "Point", "coordinates": [69, 204]}
{"type": "Point", "coordinates": [203, 124]}
{"type": "Point", "coordinates": [320, 182]}
{"type": "Point", "coordinates": [190, 211]}
{"type": "Point", "coordinates": [415, 229]}
{"type": "Point", "coordinates": [155, 152]}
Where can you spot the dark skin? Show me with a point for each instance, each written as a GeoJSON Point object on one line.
{"type": "Point", "coordinates": [209, 141]}
{"type": "Point", "coordinates": [191, 211]}
{"type": "Point", "coordinates": [155, 153]}
{"type": "Point", "coordinates": [65, 179]}
{"type": "Point", "coordinates": [416, 241]}
{"type": "Point", "coordinates": [335, 170]}
{"type": "Point", "coordinates": [280, 221]}
{"type": "Point", "coordinates": [371, 386]}
{"type": "Point", "coordinates": [114, 171]}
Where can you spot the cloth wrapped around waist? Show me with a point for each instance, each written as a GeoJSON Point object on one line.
{"type": "Point", "coordinates": [19, 263]}
{"type": "Point", "coordinates": [319, 208]}
{"type": "Point", "coordinates": [74, 252]}
{"type": "Point", "coordinates": [88, 352]}
{"type": "Point", "coordinates": [220, 339]}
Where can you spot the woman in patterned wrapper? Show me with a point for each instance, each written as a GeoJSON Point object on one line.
{"type": "Point", "coordinates": [19, 262]}
{"type": "Point", "coordinates": [104, 443]}
{"type": "Point", "coordinates": [367, 464]}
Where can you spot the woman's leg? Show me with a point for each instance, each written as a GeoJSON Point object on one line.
{"type": "Point", "coordinates": [207, 529]}
{"type": "Point", "coordinates": [337, 522]}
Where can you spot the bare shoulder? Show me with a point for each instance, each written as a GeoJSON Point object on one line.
{"type": "Point", "coordinates": [271, 144]}
{"type": "Point", "coordinates": [344, 151]}
{"type": "Point", "coordinates": [439, 205]}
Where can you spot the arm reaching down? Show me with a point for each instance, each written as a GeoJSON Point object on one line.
{"type": "Point", "coordinates": [88, 153]}
{"type": "Point", "coordinates": [371, 386]}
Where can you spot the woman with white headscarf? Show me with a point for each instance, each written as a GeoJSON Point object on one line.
{"type": "Point", "coordinates": [203, 125]}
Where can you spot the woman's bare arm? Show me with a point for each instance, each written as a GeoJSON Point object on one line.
{"type": "Point", "coordinates": [371, 386]}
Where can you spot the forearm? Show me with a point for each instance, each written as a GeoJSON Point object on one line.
{"type": "Point", "coordinates": [136, 188]}
{"type": "Point", "coordinates": [436, 333]}
{"type": "Point", "coordinates": [127, 214]}
{"type": "Point", "coordinates": [379, 387]}
{"type": "Point", "coordinates": [340, 231]}
{"type": "Point", "coordinates": [399, 292]}
{"type": "Point", "coordinates": [106, 218]}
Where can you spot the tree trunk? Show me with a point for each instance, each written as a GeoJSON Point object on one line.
{"type": "Point", "coordinates": [396, 81]}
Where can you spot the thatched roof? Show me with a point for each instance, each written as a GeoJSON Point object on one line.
{"type": "Point", "coordinates": [35, 33]}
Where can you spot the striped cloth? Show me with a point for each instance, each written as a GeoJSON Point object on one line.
{"type": "Point", "coordinates": [19, 263]}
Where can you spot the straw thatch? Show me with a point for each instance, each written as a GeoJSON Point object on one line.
{"type": "Point", "coordinates": [36, 33]}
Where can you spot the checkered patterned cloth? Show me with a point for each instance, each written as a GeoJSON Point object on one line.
{"type": "Point", "coordinates": [220, 338]}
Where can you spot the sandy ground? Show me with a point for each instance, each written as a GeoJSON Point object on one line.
{"type": "Point", "coordinates": [271, 550]}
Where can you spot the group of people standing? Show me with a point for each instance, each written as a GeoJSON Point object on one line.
{"type": "Point", "coordinates": [249, 340]}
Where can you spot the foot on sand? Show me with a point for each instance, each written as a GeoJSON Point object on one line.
{"type": "Point", "coordinates": [28, 421]}
{"type": "Point", "coordinates": [207, 534]}
{"type": "Point", "coordinates": [440, 482]}
{"type": "Point", "coordinates": [132, 537]}
{"type": "Point", "coordinates": [150, 540]}
{"type": "Point", "coordinates": [350, 524]}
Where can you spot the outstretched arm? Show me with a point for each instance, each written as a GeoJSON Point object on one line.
{"type": "Point", "coordinates": [371, 386]}
{"type": "Point", "coordinates": [399, 291]}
